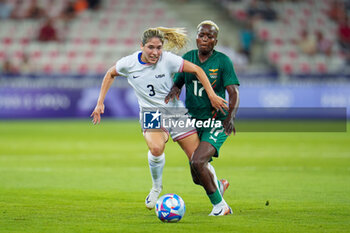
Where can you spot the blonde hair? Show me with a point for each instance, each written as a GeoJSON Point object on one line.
{"type": "Point", "coordinates": [175, 38]}
{"type": "Point", "coordinates": [208, 22]}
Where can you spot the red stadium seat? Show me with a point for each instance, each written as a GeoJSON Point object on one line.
{"type": "Point", "coordinates": [83, 68]}
{"type": "Point", "coordinates": [112, 41]}
{"type": "Point", "coordinates": [100, 68]}
{"type": "Point", "coordinates": [274, 56]}
{"type": "Point", "coordinates": [321, 67]}
{"type": "Point", "coordinates": [159, 12]}
{"type": "Point", "coordinates": [240, 14]}
{"type": "Point", "coordinates": [36, 54]}
{"type": "Point", "coordinates": [2, 55]}
{"type": "Point", "coordinates": [7, 40]}
{"type": "Point", "coordinates": [77, 41]}
{"type": "Point", "coordinates": [264, 34]}
{"type": "Point", "coordinates": [304, 68]}
{"type": "Point", "coordinates": [24, 41]}
{"type": "Point", "coordinates": [89, 54]}
{"type": "Point", "coordinates": [287, 68]}
{"type": "Point", "coordinates": [302, 22]}
{"type": "Point", "coordinates": [65, 68]}
{"type": "Point", "coordinates": [278, 41]}
{"type": "Point", "coordinates": [72, 54]}
{"type": "Point", "coordinates": [129, 42]}
{"type": "Point", "coordinates": [292, 54]}
{"type": "Point", "coordinates": [143, 11]}
{"type": "Point", "coordinates": [290, 12]}
{"type": "Point", "coordinates": [320, 22]}
{"type": "Point", "coordinates": [48, 69]}
{"type": "Point", "coordinates": [94, 41]}
{"type": "Point", "coordinates": [19, 54]}
{"type": "Point", "coordinates": [104, 22]}
{"type": "Point", "coordinates": [53, 53]}
{"type": "Point", "coordinates": [306, 12]}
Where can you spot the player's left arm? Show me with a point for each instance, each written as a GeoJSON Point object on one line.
{"type": "Point", "coordinates": [233, 103]}
{"type": "Point", "coordinates": [175, 91]}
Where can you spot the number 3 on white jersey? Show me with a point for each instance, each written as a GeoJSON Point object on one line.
{"type": "Point", "coordinates": [151, 91]}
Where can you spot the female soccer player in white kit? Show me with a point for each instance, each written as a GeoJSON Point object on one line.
{"type": "Point", "coordinates": [150, 72]}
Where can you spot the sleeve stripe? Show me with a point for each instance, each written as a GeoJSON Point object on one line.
{"type": "Point", "coordinates": [182, 66]}
{"type": "Point", "coordinates": [116, 68]}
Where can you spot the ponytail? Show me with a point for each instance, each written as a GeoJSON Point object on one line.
{"type": "Point", "coordinates": [176, 38]}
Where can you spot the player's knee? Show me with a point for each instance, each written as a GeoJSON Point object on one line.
{"type": "Point", "coordinates": [156, 150]}
{"type": "Point", "coordinates": [194, 175]}
{"type": "Point", "coordinates": [197, 165]}
{"type": "Point", "coordinates": [196, 180]}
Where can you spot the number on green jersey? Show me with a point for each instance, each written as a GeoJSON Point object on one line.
{"type": "Point", "coordinates": [197, 92]}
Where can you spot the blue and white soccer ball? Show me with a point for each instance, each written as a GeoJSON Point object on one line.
{"type": "Point", "coordinates": [170, 208]}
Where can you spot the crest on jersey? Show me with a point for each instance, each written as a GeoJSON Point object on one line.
{"type": "Point", "coordinates": [213, 73]}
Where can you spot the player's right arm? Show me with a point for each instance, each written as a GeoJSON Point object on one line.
{"type": "Point", "coordinates": [106, 84]}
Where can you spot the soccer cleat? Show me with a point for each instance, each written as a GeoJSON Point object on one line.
{"type": "Point", "coordinates": [223, 186]}
{"type": "Point", "coordinates": [221, 210]}
{"type": "Point", "coordinates": [152, 198]}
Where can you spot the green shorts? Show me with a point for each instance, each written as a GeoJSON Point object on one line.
{"type": "Point", "coordinates": [215, 136]}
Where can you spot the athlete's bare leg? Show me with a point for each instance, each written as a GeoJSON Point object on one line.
{"type": "Point", "coordinates": [155, 140]}
{"type": "Point", "coordinates": [189, 145]}
{"type": "Point", "coordinates": [202, 175]}
{"type": "Point", "coordinates": [199, 166]}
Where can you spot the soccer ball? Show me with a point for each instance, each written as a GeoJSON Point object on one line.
{"type": "Point", "coordinates": [170, 208]}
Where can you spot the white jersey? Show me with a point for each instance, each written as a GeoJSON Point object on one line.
{"type": "Point", "coordinates": [151, 83]}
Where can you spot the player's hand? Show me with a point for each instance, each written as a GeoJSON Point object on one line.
{"type": "Point", "coordinates": [96, 114]}
{"type": "Point", "coordinates": [219, 103]}
{"type": "Point", "coordinates": [229, 126]}
{"type": "Point", "coordinates": [174, 92]}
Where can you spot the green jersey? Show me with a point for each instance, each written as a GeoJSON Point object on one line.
{"type": "Point", "coordinates": [220, 72]}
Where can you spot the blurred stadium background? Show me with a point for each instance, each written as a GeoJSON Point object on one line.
{"type": "Point", "coordinates": [53, 54]}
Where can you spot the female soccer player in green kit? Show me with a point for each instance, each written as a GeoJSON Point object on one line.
{"type": "Point", "coordinates": [220, 72]}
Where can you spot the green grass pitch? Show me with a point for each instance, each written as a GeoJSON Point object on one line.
{"type": "Point", "coordinates": [71, 176]}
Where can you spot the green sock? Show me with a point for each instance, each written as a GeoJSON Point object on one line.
{"type": "Point", "coordinates": [215, 197]}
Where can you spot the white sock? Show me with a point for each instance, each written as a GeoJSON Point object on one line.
{"type": "Point", "coordinates": [215, 179]}
{"type": "Point", "coordinates": [221, 203]}
{"type": "Point", "coordinates": [156, 164]}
